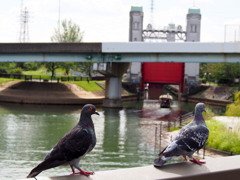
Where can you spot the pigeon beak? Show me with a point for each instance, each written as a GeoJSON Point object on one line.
{"type": "Point", "coordinates": [96, 113]}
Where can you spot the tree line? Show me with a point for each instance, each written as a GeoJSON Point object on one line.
{"type": "Point", "coordinates": [221, 73]}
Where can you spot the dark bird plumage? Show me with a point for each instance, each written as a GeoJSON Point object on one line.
{"type": "Point", "coordinates": [73, 146]}
{"type": "Point", "coordinates": [190, 139]}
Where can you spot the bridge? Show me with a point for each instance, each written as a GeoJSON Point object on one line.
{"type": "Point", "coordinates": [121, 52]}
{"type": "Point", "coordinates": [119, 55]}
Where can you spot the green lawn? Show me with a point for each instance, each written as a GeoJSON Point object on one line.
{"type": "Point", "coordinates": [3, 80]}
{"type": "Point", "coordinates": [42, 72]}
{"type": "Point", "coordinates": [37, 72]}
{"type": "Point", "coordinates": [88, 86]}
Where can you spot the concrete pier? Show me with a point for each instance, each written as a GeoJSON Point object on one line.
{"type": "Point", "coordinates": [224, 168]}
{"type": "Point", "coordinates": [113, 85]}
{"type": "Point", "coordinates": [113, 92]}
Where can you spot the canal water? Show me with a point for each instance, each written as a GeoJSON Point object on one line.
{"type": "Point", "coordinates": [125, 137]}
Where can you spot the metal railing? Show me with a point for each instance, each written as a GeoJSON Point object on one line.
{"type": "Point", "coordinates": [49, 78]}
{"type": "Point", "coordinates": [178, 122]}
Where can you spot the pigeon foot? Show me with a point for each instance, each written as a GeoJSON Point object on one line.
{"type": "Point", "coordinates": [85, 173]}
{"type": "Point", "coordinates": [197, 161]}
{"type": "Point", "coordinates": [185, 158]}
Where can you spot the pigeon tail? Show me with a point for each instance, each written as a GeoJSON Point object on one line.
{"type": "Point", "coordinates": [46, 164]}
{"type": "Point", "coordinates": [161, 161]}
{"type": "Point", "coordinates": [34, 173]}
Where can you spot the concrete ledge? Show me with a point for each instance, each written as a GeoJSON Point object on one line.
{"type": "Point", "coordinates": [224, 168]}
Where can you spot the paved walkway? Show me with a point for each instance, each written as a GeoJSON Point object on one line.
{"type": "Point", "coordinates": [232, 123]}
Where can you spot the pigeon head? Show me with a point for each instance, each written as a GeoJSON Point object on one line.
{"type": "Point", "coordinates": [89, 109]}
{"type": "Point", "coordinates": [198, 117]}
{"type": "Point", "coordinates": [200, 107]}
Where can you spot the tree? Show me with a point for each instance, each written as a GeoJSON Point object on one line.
{"type": "Point", "coordinates": [68, 32]}
{"type": "Point", "coordinates": [85, 67]}
{"type": "Point", "coordinates": [31, 66]}
{"type": "Point", "coordinates": [52, 66]}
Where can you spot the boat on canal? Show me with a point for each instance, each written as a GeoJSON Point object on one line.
{"type": "Point", "coordinates": [165, 100]}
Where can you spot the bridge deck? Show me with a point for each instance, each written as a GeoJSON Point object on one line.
{"type": "Point", "coordinates": [120, 52]}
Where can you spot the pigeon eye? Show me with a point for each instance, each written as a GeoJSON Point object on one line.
{"type": "Point", "coordinates": [90, 109]}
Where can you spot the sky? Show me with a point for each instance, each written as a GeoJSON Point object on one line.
{"type": "Point", "coordinates": [108, 20]}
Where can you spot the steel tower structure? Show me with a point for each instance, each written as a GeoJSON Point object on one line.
{"type": "Point", "coordinates": [24, 18]}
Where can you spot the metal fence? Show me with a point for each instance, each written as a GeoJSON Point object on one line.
{"type": "Point", "coordinates": [50, 78]}
{"type": "Point", "coordinates": [178, 122]}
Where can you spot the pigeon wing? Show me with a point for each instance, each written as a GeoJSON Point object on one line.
{"type": "Point", "coordinates": [188, 140]}
{"type": "Point", "coordinates": [74, 144]}
{"type": "Point", "coordinates": [193, 138]}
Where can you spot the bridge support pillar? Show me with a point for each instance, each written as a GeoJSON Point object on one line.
{"type": "Point", "coordinates": [113, 87]}
{"type": "Point", "coordinates": [113, 92]}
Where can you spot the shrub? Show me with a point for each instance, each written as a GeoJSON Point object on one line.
{"type": "Point", "coordinates": [31, 66]}
{"type": "Point", "coordinates": [3, 70]}
{"type": "Point", "coordinates": [16, 71]}
{"type": "Point", "coordinates": [234, 108]}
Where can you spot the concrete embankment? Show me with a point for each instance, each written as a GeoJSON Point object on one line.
{"type": "Point", "coordinates": [209, 94]}
{"type": "Point", "coordinates": [224, 168]}
{"type": "Point", "coordinates": [29, 92]}
{"type": "Point", "coordinates": [47, 93]}
{"type": "Point", "coordinates": [209, 101]}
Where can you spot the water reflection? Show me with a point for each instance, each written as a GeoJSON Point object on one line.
{"type": "Point", "coordinates": [28, 132]}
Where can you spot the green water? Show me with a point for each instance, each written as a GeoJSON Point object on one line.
{"type": "Point", "coordinates": [28, 132]}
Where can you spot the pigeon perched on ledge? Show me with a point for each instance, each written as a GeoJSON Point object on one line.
{"type": "Point", "coordinates": [73, 146]}
{"type": "Point", "coordinates": [190, 139]}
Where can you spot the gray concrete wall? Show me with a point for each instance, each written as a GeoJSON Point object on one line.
{"type": "Point", "coordinates": [224, 168]}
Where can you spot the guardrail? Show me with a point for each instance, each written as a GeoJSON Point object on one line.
{"type": "Point", "coordinates": [50, 78]}
{"type": "Point", "coordinates": [178, 122]}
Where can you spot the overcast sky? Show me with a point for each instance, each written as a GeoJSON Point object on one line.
{"type": "Point", "coordinates": [108, 20]}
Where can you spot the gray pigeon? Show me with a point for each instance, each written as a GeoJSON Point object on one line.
{"type": "Point", "coordinates": [190, 139]}
{"type": "Point", "coordinates": [73, 146]}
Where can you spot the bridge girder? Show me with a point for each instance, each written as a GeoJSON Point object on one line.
{"type": "Point", "coordinates": [121, 52]}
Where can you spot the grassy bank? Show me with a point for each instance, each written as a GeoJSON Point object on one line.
{"type": "Point", "coordinates": [3, 80]}
{"type": "Point", "coordinates": [221, 138]}
{"type": "Point", "coordinates": [88, 85]}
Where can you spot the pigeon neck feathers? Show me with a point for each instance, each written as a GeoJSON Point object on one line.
{"type": "Point", "coordinates": [86, 120]}
{"type": "Point", "coordinates": [198, 117]}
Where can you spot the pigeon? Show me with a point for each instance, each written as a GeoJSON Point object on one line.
{"type": "Point", "coordinates": [190, 139]}
{"type": "Point", "coordinates": [73, 146]}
